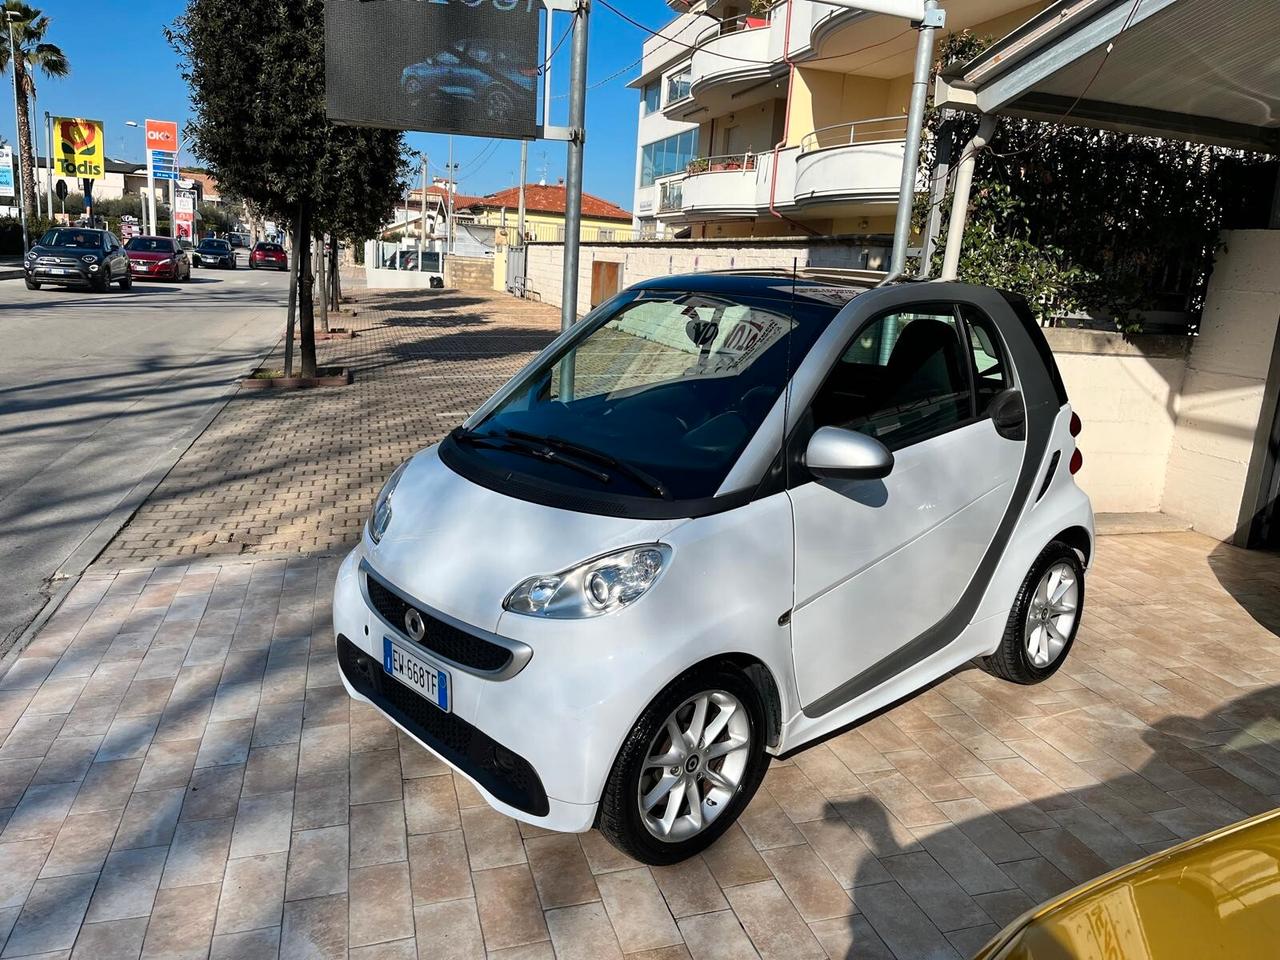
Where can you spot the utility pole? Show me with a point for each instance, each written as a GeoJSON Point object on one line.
{"type": "Point", "coordinates": [9, 17]}
{"type": "Point", "coordinates": [573, 171]}
{"type": "Point", "coordinates": [927, 18]}
{"type": "Point", "coordinates": [524, 175]}
{"type": "Point", "coordinates": [422, 247]}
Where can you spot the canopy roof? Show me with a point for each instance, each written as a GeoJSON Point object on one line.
{"type": "Point", "coordinates": [1200, 70]}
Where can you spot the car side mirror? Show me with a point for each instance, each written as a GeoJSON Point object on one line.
{"type": "Point", "coordinates": [838, 454]}
{"type": "Point", "coordinates": [1009, 414]}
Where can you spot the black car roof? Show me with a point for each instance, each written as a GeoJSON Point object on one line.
{"type": "Point", "coordinates": [763, 283]}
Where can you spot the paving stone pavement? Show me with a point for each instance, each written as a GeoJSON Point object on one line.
{"type": "Point", "coordinates": [183, 776]}
{"type": "Point", "coordinates": [297, 472]}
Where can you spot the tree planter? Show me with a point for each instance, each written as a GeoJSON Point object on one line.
{"type": "Point", "coordinates": [263, 379]}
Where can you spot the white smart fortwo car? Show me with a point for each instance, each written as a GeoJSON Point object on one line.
{"type": "Point", "coordinates": [721, 517]}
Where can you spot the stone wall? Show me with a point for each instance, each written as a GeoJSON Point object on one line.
{"type": "Point", "coordinates": [468, 273]}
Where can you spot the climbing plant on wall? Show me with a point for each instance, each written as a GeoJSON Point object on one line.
{"type": "Point", "coordinates": [1084, 220]}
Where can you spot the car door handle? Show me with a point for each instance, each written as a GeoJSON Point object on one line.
{"type": "Point", "coordinates": [1009, 415]}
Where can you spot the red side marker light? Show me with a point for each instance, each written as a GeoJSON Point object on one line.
{"type": "Point", "coordinates": [1076, 425]}
{"type": "Point", "coordinates": [1077, 461]}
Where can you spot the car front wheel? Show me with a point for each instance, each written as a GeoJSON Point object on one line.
{"type": "Point", "coordinates": [688, 768]}
{"type": "Point", "coordinates": [1045, 617]}
{"type": "Point", "coordinates": [33, 285]}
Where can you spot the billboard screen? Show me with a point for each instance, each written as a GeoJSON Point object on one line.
{"type": "Point", "coordinates": [77, 147]}
{"type": "Point", "coordinates": [6, 172]}
{"type": "Point", "coordinates": [469, 68]}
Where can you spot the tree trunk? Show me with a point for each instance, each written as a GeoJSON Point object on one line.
{"type": "Point", "coordinates": [323, 269]}
{"type": "Point", "coordinates": [25, 154]}
{"type": "Point", "coordinates": [294, 273]}
{"type": "Point", "coordinates": [336, 282]}
{"type": "Point", "coordinates": [306, 305]}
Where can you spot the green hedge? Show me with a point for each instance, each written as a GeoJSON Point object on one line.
{"type": "Point", "coordinates": [11, 233]}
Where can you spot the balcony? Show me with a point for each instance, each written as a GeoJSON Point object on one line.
{"type": "Point", "coordinates": [732, 62]}
{"type": "Point", "coordinates": [857, 162]}
{"type": "Point", "coordinates": [722, 186]}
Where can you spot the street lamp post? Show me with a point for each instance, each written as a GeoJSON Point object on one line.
{"type": "Point", "coordinates": [10, 16]}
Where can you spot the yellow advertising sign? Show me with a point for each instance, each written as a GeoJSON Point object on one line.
{"type": "Point", "coordinates": [78, 150]}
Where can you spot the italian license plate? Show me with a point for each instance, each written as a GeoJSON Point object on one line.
{"type": "Point", "coordinates": [416, 673]}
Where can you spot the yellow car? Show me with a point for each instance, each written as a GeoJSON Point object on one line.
{"type": "Point", "coordinates": [1213, 898]}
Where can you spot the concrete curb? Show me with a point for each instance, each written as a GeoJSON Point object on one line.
{"type": "Point", "coordinates": [10, 274]}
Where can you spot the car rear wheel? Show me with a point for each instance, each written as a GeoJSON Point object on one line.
{"type": "Point", "coordinates": [1045, 617]}
{"type": "Point", "coordinates": [688, 768]}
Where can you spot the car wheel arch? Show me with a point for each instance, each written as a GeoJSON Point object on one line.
{"type": "Point", "coordinates": [1078, 539]}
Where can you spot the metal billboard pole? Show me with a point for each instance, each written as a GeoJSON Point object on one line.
{"type": "Point", "coordinates": [573, 171]}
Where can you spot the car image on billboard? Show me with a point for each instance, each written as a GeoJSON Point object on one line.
{"type": "Point", "coordinates": [440, 67]}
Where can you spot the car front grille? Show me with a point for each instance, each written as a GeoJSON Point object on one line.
{"type": "Point", "coordinates": [443, 639]}
{"type": "Point", "coordinates": [507, 776]}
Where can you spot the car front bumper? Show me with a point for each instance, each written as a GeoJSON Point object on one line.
{"type": "Point", "coordinates": [64, 274]}
{"type": "Point", "coordinates": [157, 271]}
{"type": "Point", "coordinates": [503, 755]}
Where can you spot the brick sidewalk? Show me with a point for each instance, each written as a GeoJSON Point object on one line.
{"type": "Point", "coordinates": [298, 472]}
{"type": "Point", "coordinates": [181, 776]}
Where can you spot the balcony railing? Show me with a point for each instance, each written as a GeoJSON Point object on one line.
{"type": "Point", "coordinates": [678, 87]}
{"type": "Point", "coordinates": [859, 132]}
{"type": "Point", "coordinates": [671, 196]}
{"type": "Point", "coordinates": [751, 21]}
{"type": "Point", "coordinates": [728, 162]}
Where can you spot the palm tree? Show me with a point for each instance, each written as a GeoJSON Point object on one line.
{"type": "Point", "coordinates": [29, 55]}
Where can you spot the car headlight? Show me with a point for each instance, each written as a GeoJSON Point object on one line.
{"type": "Point", "coordinates": [381, 517]}
{"type": "Point", "coordinates": [592, 588]}
{"type": "Point", "coordinates": [31, 255]}
{"type": "Point", "coordinates": [90, 258]}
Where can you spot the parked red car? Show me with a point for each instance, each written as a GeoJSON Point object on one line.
{"type": "Point", "coordinates": [159, 258]}
{"type": "Point", "coordinates": [268, 255]}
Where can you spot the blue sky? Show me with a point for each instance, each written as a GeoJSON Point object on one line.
{"type": "Point", "coordinates": [123, 69]}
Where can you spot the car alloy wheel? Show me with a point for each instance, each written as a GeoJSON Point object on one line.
{"type": "Point", "coordinates": [694, 766]}
{"type": "Point", "coordinates": [499, 104]}
{"type": "Point", "coordinates": [1051, 614]}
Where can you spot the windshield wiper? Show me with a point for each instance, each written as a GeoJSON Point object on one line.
{"type": "Point", "coordinates": [599, 456]}
{"type": "Point", "coordinates": [538, 451]}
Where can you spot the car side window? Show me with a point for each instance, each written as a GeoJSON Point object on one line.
{"type": "Point", "coordinates": [903, 379]}
{"type": "Point", "coordinates": [990, 365]}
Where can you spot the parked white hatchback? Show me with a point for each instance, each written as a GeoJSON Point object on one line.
{"type": "Point", "coordinates": [721, 517]}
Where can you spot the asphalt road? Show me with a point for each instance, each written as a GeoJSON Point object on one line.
{"type": "Point", "coordinates": [99, 391]}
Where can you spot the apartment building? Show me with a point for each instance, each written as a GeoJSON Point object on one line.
{"type": "Point", "coordinates": [786, 120]}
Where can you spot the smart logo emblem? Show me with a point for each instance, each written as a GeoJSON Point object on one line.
{"type": "Point", "coordinates": [79, 147]}
{"type": "Point", "coordinates": [413, 623]}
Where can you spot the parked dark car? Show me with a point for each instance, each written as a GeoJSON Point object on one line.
{"type": "Point", "coordinates": [484, 74]}
{"type": "Point", "coordinates": [214, 253]}
{"type": "Point", "coordinates": [77, 255]}
{"type": "Point", "coordinates": [158, 258]}
{"type": "Point", "coordinates": [266, 254]}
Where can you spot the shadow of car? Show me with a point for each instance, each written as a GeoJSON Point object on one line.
{"type": "Point", "coordinates": [484, 73]}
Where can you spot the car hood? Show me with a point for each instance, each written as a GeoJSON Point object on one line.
{"type": "Point", "coordinates": [76, 252]}
{"type": "Point", "coordinates": [461, 548]}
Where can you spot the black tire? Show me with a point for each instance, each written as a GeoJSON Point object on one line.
{"type": "Point", "coordinates": [618, 818]}
{"type": "Point", "coordinates": [251, 266]}
{"type": "Point", "coordinates": [126, 282]}
{"type": "Point", "coordinates": [32, 285]}
{"type": "Point", "coordinates": [1011, 661]}
{"type": "Point", "coordinates": [100, 283]}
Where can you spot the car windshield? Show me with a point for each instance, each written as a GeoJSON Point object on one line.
{"type": "Point", "coordinates": [215, 246]}
{"type": "Point", "coordinates": [659, 397]}
{"type": "Point", "coordinates": [80, 239]}
{"type": "Point", "coordinates": [149, 245]}
{"type": "Point", "coordinates": [269, 247]}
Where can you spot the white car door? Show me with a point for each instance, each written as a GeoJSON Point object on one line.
{"type": "Point", "coordinates": [881, 562]}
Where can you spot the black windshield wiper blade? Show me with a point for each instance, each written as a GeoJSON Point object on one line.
{"type": "Point", "coordinates": [538, 451]}
{"type": "Point", "coordinates": [568, 446]}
